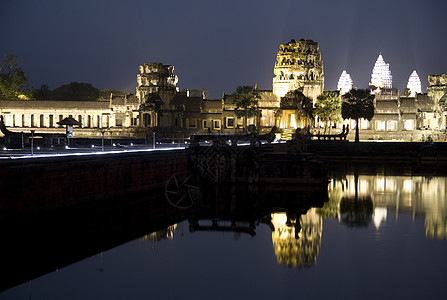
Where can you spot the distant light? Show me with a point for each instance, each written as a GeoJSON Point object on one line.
{"type": "Point", "coordinates": [66, 147]}
{"type": "Point", "coordinates": [131, 144]}
{"type": "Point", "coordinates": [4, 148]}
{"type": "Point", "coordinates": [38, 148]}
{"type": "Point", "coordinates": [93, 146]}
{"type": "Point", "coordinates": [95, 153]}
{"type": "Point", "coordinates": [114, 144]}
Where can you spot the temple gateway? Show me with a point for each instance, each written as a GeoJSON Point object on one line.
{"type": "Point", "coordinates": [158, 106]}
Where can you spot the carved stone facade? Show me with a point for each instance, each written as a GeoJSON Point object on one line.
{"type": "Point", "coordinates": [345, 83]}
{"type": "Point", "coordinates": [381, 75]}
{"type": "Point", "coordinates": [158, 107]}
{"type": "Point", "coordinates": [299, 66]}
{"type": "Point", "coordinates": [156, 78]}
{"type": "Point", "coordinates": [414, 85]}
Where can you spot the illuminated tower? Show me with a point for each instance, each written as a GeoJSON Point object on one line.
{"type": "Point", "coordinates": [381, 75]}
{"type": "Point", "coordinates": [155, 78]}
{"type": "Point", "coordinates": [414, 84]}
{"type": "Point", "coordinates": [298, 65]}
{"type": "Point", "coordinates": [345, 83]}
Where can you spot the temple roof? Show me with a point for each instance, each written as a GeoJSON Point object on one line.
{"type": "Point", "coordinates": [69, 121]}
{"type": "Point", "coordinates": [54, 104]}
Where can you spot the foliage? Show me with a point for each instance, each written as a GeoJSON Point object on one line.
{"type": "Point", "coordinates": [246, 99]}
{"type": "Point", "coordinates": [305, 104]}
{"type": "Point", "coordinates": [76, 91]}
{"type": "Point", "coordinates": [328, 108]}
{"type": "Point", "coordinates": [44, 93]}
{"type": "Point", "coordinates": [104, 95]}
{"type": "Point", "coordinates": [12, 79]}
{"type": "Point", "coordinates": [358, 104]}
{"type": "Point", "coordinates": [298, 101]}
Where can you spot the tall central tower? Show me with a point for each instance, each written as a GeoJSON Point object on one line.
{"type": "Point", "coordinates": [156, 78]}
{"type": "Point", "coordinates": [381, 75]}
{"type": "Point", "coordinates": [298, 65]}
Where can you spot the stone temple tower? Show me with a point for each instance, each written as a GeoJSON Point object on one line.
{"type": "Point", "coordinates": [156, 78]}
{"type": "Point", "coordinates": [414, 84]}
{"type": "Point", "coordinates": [298, 65]}
{"type": "Point", "coordinates": [381, 75]}
{"type": "Point", "coordinates": [345, 83]}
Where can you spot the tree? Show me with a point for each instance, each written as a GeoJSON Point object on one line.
{"type": "Point", "coordinates": [44, 93]}
{"type": "Point", "coordinates": [76, 91]}
{"type": "Point", "coordinates": [246, 99]}
{"type": "Point", "coordinates": [328, 108]}
{"type": "Point", "coordinates": [104, 95]}
{"type": "Point", "coordinates": [12, 79]}
{"type": "Point", "coordinates": [358, 104]}
{"type": "Point", "coordinates": [302, 105]}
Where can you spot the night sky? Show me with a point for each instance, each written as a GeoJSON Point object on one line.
{"type": "Point", "coordinates": [219, 45]}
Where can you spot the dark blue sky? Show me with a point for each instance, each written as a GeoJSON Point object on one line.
{"type": "Point", "coordinates": [219, 44]}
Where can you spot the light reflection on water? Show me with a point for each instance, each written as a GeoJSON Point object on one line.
{"type": "Point", "coordinates": [377, 236]}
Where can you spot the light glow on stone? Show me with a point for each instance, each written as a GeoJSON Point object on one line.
{"type": "Point", "coordinates": [414, 84]}
{"type": "Point", "coordinates": [381, 75]}
{"type": "Point", "coordinates": [345, 83]}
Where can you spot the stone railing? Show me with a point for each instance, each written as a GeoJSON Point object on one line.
{"type": "Point", "coordinates": [332, 137]}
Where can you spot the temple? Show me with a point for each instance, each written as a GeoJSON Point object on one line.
{"type": "Point", "coordinates": [381, 75]}
{"type": "Point", "coordinates": [414, 84]}
{"type": "Point", "coordinates": [345, 83]}
{"type": "Point", "coordinates": [159, 107]}
{"type": "Point", "coordinates": [298, 66]}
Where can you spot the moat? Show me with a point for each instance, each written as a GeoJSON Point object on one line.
{"type": "Point", "coordinates": [375, 232]}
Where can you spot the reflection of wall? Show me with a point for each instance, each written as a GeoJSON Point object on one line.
{"type": "Point", "coordinates": [297, 249]}
{"type": "Point", "coordinates": [167, 233]}
{"type": "Point", "coordinates": [416, 194]}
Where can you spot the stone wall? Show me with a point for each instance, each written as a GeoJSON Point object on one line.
{"type": "Point", "coordinates": [43, 184]}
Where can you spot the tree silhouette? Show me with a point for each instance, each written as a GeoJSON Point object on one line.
{"type": "Point", "coordinates": [76, 91]}
{"type": "Point", "coordinates": [328, 108]}
{"type": "Point", "coordinates": [246, 100]}
{"type": "Point", "coordinates": [303, 105]}
{"type": "Point", "coordinates": [358, 104]}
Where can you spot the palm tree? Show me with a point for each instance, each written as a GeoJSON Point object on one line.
{"type": "Point", "coordinates": [303, 105]}
{"type": "Point", "coordinates": [358, 104]}
{"type": "Point", "coordinates": [328, 108]}
{"type": "Point", "coordinates": [246, 100]}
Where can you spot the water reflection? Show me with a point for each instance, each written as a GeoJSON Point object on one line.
{"type": "Point", "coordinates": [278, 242]}
{"type": "Point", "coordinates": [295, 217]}
{"type": "Point", "coordinates": [297, 242]}
{"type": "Point", "coordinates": [372, 197]}
{"type": "Point", "coordinates": [166, 233]}
{"type": "Point", "coordinates": [289, 211]}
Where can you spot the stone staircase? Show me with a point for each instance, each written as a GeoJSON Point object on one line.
{"type": "Point", "coordinates": [286, 134]}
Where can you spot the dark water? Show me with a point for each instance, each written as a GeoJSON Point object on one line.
{"type": "Point", "coordinates": [366, 237]}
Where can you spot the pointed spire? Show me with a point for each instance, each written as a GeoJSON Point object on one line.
{"type": "Point", "coordinates": [381, 75]}
{"type": "Point", "coordinates": [345, 83]}
{"type": "Point", "coordinates": [414, 84]}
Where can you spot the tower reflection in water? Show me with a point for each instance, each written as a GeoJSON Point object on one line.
{"type": "Point", "coordinates": [355, 201]}
{"type": "Point", "coordinates": [297, 242]}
